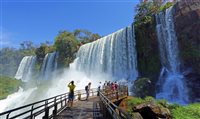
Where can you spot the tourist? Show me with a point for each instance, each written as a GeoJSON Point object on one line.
{"type": "Point", "coordinates": [71, 93]}
{"type": "Point", "coordinates": [116, 85]}
{"type": "Point", "coordinates": [113, 86]}
{"type": "Point", "coordinates": [99, 88]}
{"type": "Point", "coordinates": [87, 89]}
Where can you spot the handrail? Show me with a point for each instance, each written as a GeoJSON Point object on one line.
{"type": "Point", "coordinates": [115, 111]}
{"type": "Point", "coordinates": [43, 106]}
{"type": "Point", "coordinates": [48, 108]}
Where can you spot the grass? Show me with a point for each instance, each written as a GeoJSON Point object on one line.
{"type": "Point", "coordinates": [191, 111]}
{"type": "Point", "coordinates": [8, 86]}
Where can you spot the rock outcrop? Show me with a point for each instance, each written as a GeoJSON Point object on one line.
{"type": "Point", "coordinates": [145, 110]}
{"type": "Point", "coordinates": [143, 87]}
{"type": "Point", "coordinates": [152, 111]}
{"type": "Point", "coordinates": [187, 24]}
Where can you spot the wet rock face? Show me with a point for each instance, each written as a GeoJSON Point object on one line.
{"type": "Point", "coordinates": [193, 82]}
{"type": "Point", "coordinates": [187, 25]}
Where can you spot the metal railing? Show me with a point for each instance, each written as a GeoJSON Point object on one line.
{"type": "Point", "coordinates": [45, 109]}
{"type": "Point", "coordinates": [51, 107]}
{"type": "Point", "coordinates": [110, 110]}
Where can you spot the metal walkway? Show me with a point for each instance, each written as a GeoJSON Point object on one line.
{"type": "Point", "coordinates": [97, 107]}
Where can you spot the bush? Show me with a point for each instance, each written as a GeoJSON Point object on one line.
{"type": "Point", "coordinates": [149, 99]}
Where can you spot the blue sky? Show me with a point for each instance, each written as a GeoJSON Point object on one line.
{"type": "Point", "coordinates": [40, 20]}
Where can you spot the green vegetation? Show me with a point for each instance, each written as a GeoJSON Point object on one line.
{"type": "Point", "coordinates": [191, 111]}
{"type": "Point", "coordinates": [135, 101]}
{"type": "Point", "coordinates": [147, 10]}
{"type": "Point", "coordinates": [11, 57]}
{"type": "Point", "coordinates": [166, 6]}
{"type": "Point", "coordinates": [66, 44]}
{"type": "Point", "coordinates": [85, 36]}
{"type": "Point", "coordinates": [8, 85]}
{"type": "Point", "coordinates": [27, 48]}
{"type": "Point", "coordinates": [42, 51]}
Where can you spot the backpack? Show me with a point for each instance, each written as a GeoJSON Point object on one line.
{"type": "Point", "coordinates": [86, 87]}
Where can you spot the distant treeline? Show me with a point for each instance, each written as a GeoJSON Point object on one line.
{"type": "Point", "coordinates": [66, 43]}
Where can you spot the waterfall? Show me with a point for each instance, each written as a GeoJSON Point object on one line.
{"type": "Point", "coordinates": [49, 65]}
{"type": "Point", "coordinates": [171, 79]}
{"type": "Point", "coordinates": [114, 55]}
{"type": "Point", "coordinates": [26, 68]}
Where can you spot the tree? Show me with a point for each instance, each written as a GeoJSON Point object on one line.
{"type": "Point", "coordinates": [27, 48]}
{"type": "Point", "coordinates": [41, 52]}
{"type": "Point", "coordinates": [145, 12]}
{"type": "Point", "coordinates": [66, 44]}
{"type": "Point", "coordinates": [85, 36]}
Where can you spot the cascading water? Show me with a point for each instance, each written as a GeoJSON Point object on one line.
{"type": "Point", "coordinates": [171, 79]}
{"type": "Point", "coordinates": [49, 65]}
{"type": "Point", "coordinates": [114, 55]}
{"type": "Point", "coordinates": [26, 68]}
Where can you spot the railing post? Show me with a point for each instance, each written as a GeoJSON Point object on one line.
{"type": "Point", "coordinates": [65, 99]}
{"type": "Point", "coordinates": [79, 96]}
{"type": "Point", "coordinates": [55, 108]}
{"type": "Point", "coordinates": [7, 117]}
{"type": "Point", "coordinates": [120, 113]}
{"type": "Point", "coordinates": [127, 91]}
{"type": "Point", "coordinates": [61, 101]}
{"type": "Point", "coordinates": [46, 115]}
{"type": "Point", "coordinates": [117, 96]}
{"type": "Point", "coordinates": [92, 93]}
{"type": "Point", "coordinates": [32, 112]}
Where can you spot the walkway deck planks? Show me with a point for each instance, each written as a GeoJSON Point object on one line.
{"type": "Point", "coordinates": [82, 110]}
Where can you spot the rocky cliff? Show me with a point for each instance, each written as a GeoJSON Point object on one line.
{"type": "Point", "coordinates": [148, 53]}
{"type": "Point", "coordinates": [187, 24]}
